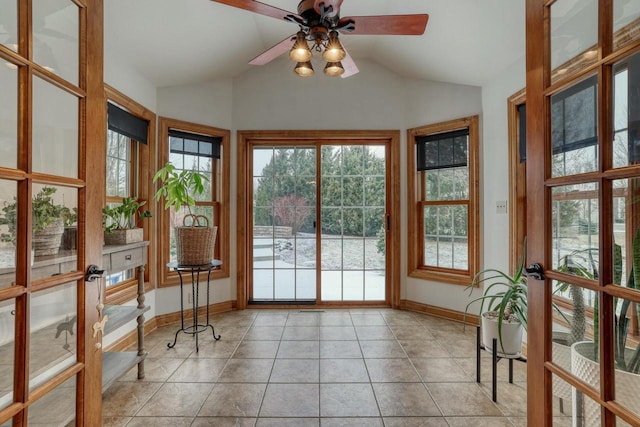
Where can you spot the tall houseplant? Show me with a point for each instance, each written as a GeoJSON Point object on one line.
{"type": "Point", "coordinates": [179, 188]}
{"type": "Point", "coordinates": [585, 354]}
{"type": "Point", "coordinates": [506, 299]}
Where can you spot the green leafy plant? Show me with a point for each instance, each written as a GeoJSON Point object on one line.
{"type": "Point", "coordinates": [43, 213]}
{"type": "Point", "coordinates": [510, 300]}
{"type": "Point", "coordinates": [582, 263]}
{"type": "Point", "coordinates": [179, 188]}
{"type": "Point", "coordinates": [579, 263]}
{"type": "Point", "coordinates": [625, 360]}
{"type": "Point", "coordinates": [123, 216]}
{"type": "Point", "coordinates": [69, 216]}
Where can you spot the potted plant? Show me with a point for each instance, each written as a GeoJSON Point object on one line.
{"type": "Point", "coordinates": [506, 299]}
{"type": "Point", "coordinates": [579, 263]}
{"type": "Point", "coordinates": [47, 222]}
{"type": "Point", "coordinates": [194, 240]}
{"type": "Point", "coordinates": [70, 235]}
{"type": "Point", "coordinates": [585, 354]}
{"type": "Point", "coordinates": [120, 223]}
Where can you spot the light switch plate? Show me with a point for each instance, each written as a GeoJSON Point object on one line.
{"type": "Point", "coordinates": [501, 206]}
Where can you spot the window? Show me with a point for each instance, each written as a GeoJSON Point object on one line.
{"type": "Point", "coordinates": [193, 146]}
{"type": "Point", "coordinates": [443, 201]}
{"type": "Point", "coordinates": [130, 132]}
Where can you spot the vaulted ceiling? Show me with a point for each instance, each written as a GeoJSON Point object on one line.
{"type": "Point", "coordinates": [173, 42]}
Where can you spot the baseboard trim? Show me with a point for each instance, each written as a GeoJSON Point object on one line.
{"type": "Point", "coordinates": [445, 313]}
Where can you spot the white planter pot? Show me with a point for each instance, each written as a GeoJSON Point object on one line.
{"type": "Point", "coordinates": [511, 344]}
{"type": "Point", "coordinates": [584, 367]}
{"type": "Point", "coordinates": [561, 356]}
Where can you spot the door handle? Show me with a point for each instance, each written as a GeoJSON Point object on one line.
{"type": "Point", "coordinates": [93, 273]}
{"type": "Point", "coordinates": [535, 271]}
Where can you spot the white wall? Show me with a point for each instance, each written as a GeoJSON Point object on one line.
{"type": "Point", "coordinates": [272, 97]}
{"type": "Point", "coordinates": [122, 77]}
{"type": "Point", "coordinates": [207, 103]}
{"type": "Point", "coordinates": [495, 165]}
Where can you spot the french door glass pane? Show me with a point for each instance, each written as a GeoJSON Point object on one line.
{"type": "Point", "coordinates": [55, 37]}
{"type": "Point", "coordinates": [55, 130]}
{"type": "Point", "coordinates": [627, 353]}
{"type": "Point", "coordinates": [54, 234]}
{"type": "Point", "coordinates": [574, 129]}
{"type": "Point", "coordinates": [8, 223]}
{"type": "Point", "coordinates": [9, 23]}
{"type": "Point", "coordinates": [572, 408]}
{"type": "Point", "coordinates": [626, 227]}
{"type": "Point", "coordinates": [8, 112]}
{"type": "Point", "coordinates": [626, 21]}
{"type": "Point", "coordinates": [57, 408]}
{"type": "Point", "coordinates": [574, 216]}
{"type": "Point", "coordinates": [626, 112]}
{"type": "Point", "coordinates": [574, 34]}
{"type": "Point", "coordinates": [574, 323]}
{"type": "Point", "coordinates": [7, 348]}
{"type": "Point", "coordinates": [53, 334]}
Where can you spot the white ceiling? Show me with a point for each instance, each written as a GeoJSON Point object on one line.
{"type": "Point", "coordinates": [173, 42]}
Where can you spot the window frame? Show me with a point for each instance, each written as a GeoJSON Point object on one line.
{"type": "Point", "coordinates": [219, 203]}
{"type": "Point", "coordinates": [142, 160]}
{"type": "Point", "coordinates": [417, 200]}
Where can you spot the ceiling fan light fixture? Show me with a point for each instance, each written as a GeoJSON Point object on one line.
{"type": "Point", "coordinates": [334, 69]}
{"type": "Point", "coordinates": [333, 52]}
{"type": "Point", "coordinates": [300, 51]}
{"type": "Point", "coordinates": [304, 69]}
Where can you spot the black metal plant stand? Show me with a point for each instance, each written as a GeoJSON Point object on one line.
{"type": "Point", "coordinates": [494, 363]}
{"type": "Point", "coordinates": [195, 328]}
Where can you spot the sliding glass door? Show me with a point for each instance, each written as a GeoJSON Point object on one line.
{"type": "Point", "coordinates": [319, 223]}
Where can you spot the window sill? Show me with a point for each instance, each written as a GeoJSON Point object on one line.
{"type": "Point", "coordinates": [441, 276]}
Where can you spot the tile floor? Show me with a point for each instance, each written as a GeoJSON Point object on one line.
{"type": "Point", "coordinates": [360, 367]}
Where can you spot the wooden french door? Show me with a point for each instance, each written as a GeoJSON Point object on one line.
{"type": "Point", "coordinates": [583, 211]}
{"type": "Point", "coordinates": [52, 109]}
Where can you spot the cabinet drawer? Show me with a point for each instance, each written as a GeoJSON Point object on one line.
{"type": "Point", "coordinates": [126, 259]}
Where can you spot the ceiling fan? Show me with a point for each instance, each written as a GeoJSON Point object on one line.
{"type": "Point", "coordinates": [320, 23]}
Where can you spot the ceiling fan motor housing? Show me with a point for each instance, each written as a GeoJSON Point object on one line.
{"type": "Point", "coordinates": [306, 9]}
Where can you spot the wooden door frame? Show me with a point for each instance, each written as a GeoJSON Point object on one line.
{"type": "Point", "coordinates": [90, 407]}
{"type": "Point", "coordinates": [390, 137]}
{"type": "Point", "coordinates": [517, 181]}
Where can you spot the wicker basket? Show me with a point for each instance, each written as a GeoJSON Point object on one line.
{"type": "Point", "coordinates": [194, 243]}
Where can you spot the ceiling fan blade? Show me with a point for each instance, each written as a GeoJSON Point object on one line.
{"type": "Point", "coordinates": [409, 25]}
{"type": "Point", "coordinates": [350, 67]}
{"type": "Point", "coordinates": [334, 4]}
{"type": "Point", "coordinates": [273, 52]}
{"type": "Point", "coordinates": [261, 8]}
